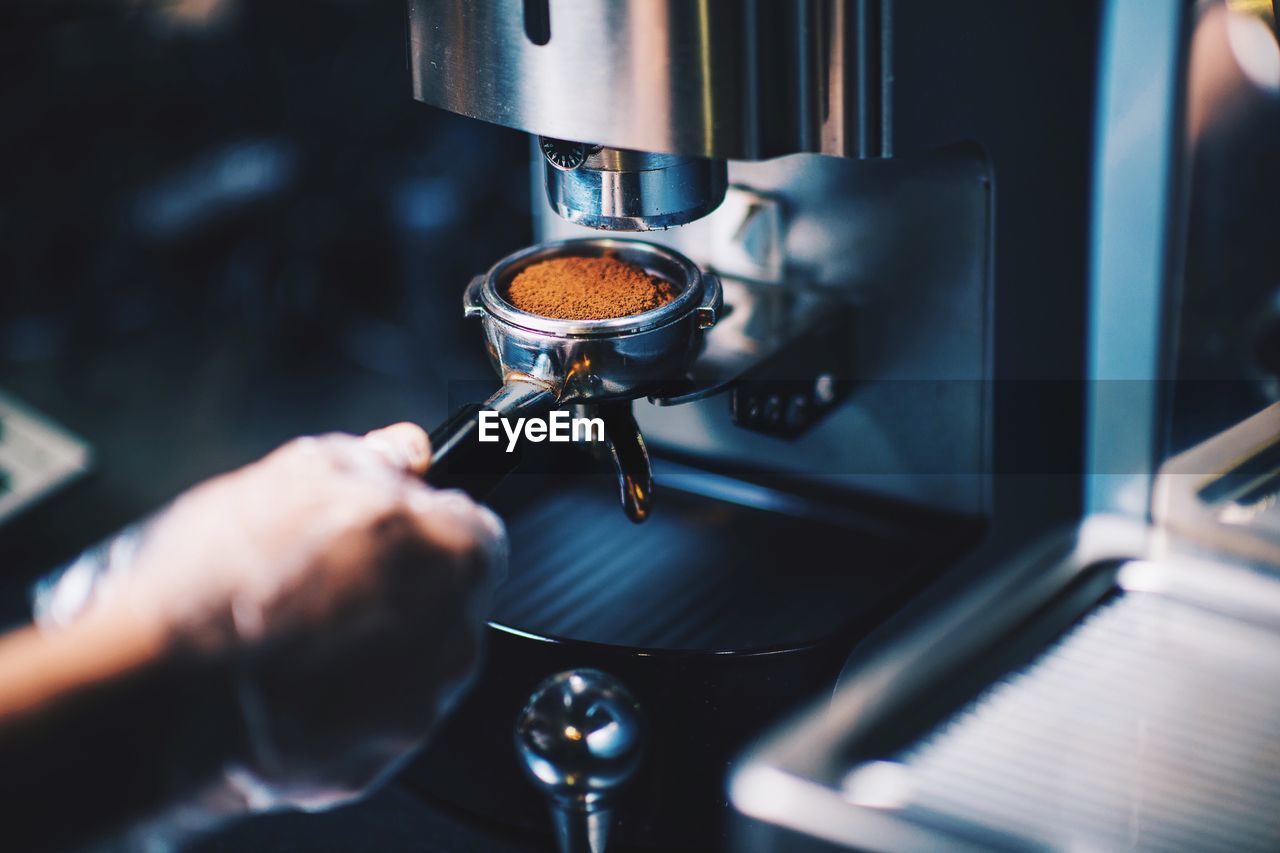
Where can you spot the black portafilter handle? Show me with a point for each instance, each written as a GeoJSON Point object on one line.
{"type": "Point", "coordinates": [459, 460]}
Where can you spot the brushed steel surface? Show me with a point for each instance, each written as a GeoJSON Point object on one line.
{"type": "Point", "coordinates": [744, 79]}
{"type": "Point", "coordinates": [635, 191]}
{"type": "Point", "coordinates": [1153, 725]}
{"type": "Point", "coordinates": [1119, 700]}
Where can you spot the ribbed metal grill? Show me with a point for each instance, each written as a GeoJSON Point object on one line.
{"type": "Point", "coordinates": [1152, 725]}
{"type": "Point", "coordinates": [699, 574]}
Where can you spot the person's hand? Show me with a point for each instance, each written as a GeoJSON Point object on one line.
{"type": "Point", "coordinates": [347, 596]}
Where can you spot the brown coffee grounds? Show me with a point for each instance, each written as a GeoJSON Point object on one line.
{"type": "Point", "coordinates": [575, 288]}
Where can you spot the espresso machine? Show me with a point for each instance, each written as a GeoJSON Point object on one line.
{"type": "Point", "coordinates": [883, 390]}
{"type": "Point", "coordinates": [1114, 686]}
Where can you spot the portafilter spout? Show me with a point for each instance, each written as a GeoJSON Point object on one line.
{"type": "Point", "coordinates": [546, 363]}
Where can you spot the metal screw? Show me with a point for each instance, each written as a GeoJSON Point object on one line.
{"type": "Point", "coordinates": [824, 389]}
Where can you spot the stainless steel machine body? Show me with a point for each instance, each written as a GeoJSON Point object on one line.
{"type": "Point", "coordinates": [1115, 686]}
{"type": "Point", "coordinates": [715, 78]}
{"type": "Point", "coordinates": [639, 104]}
{"type": "Point", "coordinates": [904, 244]}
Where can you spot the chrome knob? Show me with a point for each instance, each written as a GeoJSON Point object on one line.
{"type": "Point", "coordinates": [580, 738]}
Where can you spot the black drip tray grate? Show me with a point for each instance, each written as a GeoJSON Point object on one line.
{"type": "Point", "coordinates": [700, 574]}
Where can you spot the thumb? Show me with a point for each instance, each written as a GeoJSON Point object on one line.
{"type": "Point", "coordinates": [405, 446]}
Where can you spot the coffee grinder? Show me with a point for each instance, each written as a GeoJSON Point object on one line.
{"type": "Point", "coordinates": [879, 401]}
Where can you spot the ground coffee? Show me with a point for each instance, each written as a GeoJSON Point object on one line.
{"type": "Point", "coordinates": [575, 288]}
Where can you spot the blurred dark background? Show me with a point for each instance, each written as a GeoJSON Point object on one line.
{"type": "Point", "coordinates": [224, 223]}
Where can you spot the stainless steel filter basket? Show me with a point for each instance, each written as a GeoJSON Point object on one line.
{"type": "Point", "coordinates": [597, 360]}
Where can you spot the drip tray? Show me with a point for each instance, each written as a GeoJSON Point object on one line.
{"type": "Point", "coordinates": [702, 573]}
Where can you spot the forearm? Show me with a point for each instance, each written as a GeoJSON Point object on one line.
{"type": "Point", "coordinates": [106, 724]}
{"type": "Point", "coordinates": [347, 592]}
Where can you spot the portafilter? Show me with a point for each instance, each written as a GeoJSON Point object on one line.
{"type": "Point", "coordinates": [600, 366]}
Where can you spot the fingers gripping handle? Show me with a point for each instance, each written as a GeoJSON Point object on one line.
{"type": "Point", "coordinates": [461, 461]}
